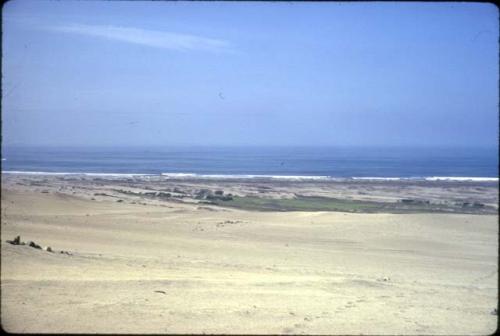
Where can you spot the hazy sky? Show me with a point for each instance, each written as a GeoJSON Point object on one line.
{"type": "Point", "coordinates": [160, 73]}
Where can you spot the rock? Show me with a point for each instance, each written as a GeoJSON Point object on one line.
{"type": "Point", "coordinates": [49, 249]}
{"type": "Point", "coordinates": [34, 245]}
{"type": "Point", "coordinates": [494, 312]}
{"type": "Point", "coordinates": [15, 241]}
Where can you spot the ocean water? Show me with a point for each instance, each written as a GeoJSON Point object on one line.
{"type": "Point", "coordinates": [313, 162]}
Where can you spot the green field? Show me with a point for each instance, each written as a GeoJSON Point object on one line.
{"type": "Point", "coordinates": [314, 203]}
{"type": "Point", "coordinates": [301, 203]}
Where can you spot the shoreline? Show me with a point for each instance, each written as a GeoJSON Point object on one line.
{"type": "Point", "coordinates": [224, 177]}
{"type": "Point", "coordinates": [267, 194]}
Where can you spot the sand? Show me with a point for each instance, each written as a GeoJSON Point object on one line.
{"type": "Point", "coordinates": [172, 267]}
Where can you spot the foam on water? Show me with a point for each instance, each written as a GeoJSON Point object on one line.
{"type": "Point", "coordinates": [190, 176]}
{"type": "Point", "coordinates": [462, 178]}
{"type": "Point", "coordinates": [242, 176]}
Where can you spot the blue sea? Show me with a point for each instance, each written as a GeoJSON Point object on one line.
{"type": "Point", "coordinates": [320, 162]}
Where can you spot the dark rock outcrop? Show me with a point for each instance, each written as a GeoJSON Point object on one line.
{"type": "Point", "coordinates": [34, 245]}
{"type": "Point", "coordinates": [15, 241]}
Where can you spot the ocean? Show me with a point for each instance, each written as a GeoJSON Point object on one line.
{"type": "Point", "coordinates": [276, 162]}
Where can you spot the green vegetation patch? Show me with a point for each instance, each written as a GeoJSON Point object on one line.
{"type": "Point", "coordinates": [301, 203]}
{"type": "Point", "coordinates": [315, 203]}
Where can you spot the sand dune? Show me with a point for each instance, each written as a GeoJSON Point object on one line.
{"type": "Point", "coordinates": [180, 268]}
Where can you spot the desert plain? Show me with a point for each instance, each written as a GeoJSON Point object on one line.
{"type": "Point", "coordinates": [160, 255]}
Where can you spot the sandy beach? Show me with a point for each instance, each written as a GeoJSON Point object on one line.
{"type": "Point", "coordinates": [184, 263]}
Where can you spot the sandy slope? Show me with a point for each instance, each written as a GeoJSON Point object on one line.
{"type": "Point", "coordinates": [178, 269]}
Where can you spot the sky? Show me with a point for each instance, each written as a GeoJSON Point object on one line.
{"type": "Point", "coordinates": [153, 73]}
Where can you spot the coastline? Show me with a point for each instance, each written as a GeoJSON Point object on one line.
{"type": "Point", "coordinates": [222, 177]}
{"type": "Point", "coordinates": [265, 193]}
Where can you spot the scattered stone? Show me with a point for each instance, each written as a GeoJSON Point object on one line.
{"type": "Point", "coordinates": [160, 291]}
{"type": "Point", "coordinates": [120, 200]}
{"type": "Point", "coordinates": [494, 312]}
{"type": "Point", "coordinates": [15, 241]}
{"type": "Point", "coordinates": [34, 245]}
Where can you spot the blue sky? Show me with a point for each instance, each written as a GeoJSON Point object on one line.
{"type": "Point", "coordinates": [226, 73]}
